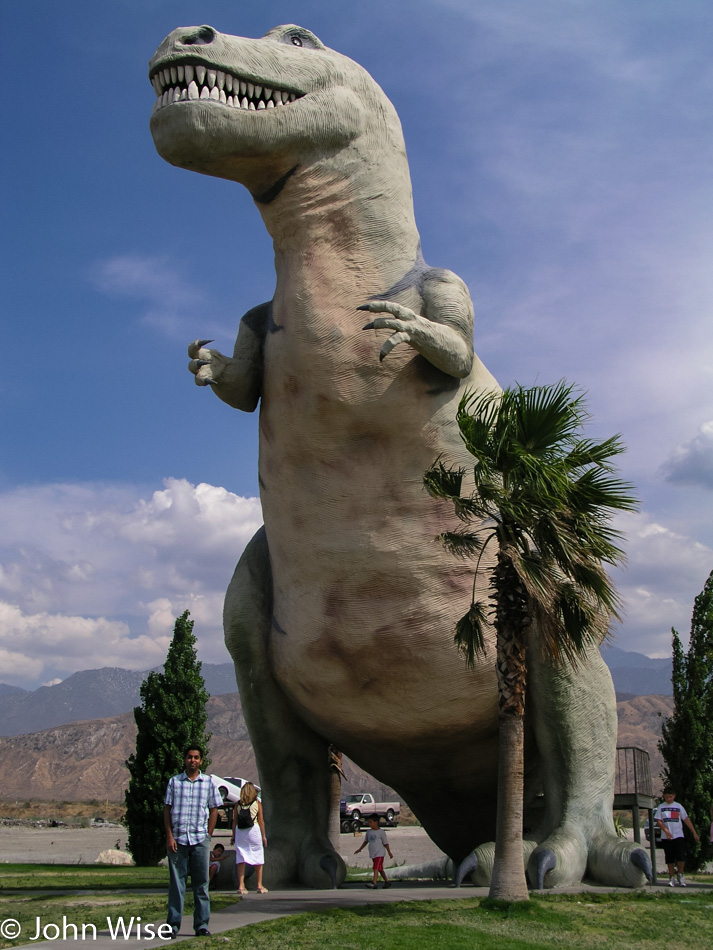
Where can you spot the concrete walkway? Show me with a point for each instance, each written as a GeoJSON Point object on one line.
{"type": "Point", "coordinates": [256, 908]}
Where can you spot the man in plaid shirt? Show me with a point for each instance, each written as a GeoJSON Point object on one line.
{"type": "Point", "coordinates": [190, 811]}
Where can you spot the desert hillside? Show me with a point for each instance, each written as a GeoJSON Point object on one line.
{"type": "Point", "coordinates": [85, 760]}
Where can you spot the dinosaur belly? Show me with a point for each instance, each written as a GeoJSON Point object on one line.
{"type": "Point", "coordinates": [365, 599]}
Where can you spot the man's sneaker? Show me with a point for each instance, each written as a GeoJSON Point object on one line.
{"type": "Point", "coordinates": [671, 881]}
{"type": "Point", "coordinates": [203, 932]}
{"type": "Point", "coordinates": [681, 880]}
{"type": "Point", "coordinates": [369, 884]}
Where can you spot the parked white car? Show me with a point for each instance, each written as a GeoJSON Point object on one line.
{"type": "Point", "coordinates": [229, 788]}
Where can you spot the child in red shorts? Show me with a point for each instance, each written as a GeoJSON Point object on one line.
{"type": "Point", "coordinates": [378, 846]}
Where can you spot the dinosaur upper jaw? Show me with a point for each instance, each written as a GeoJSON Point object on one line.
{"type": "Point", "coordinates": [187, 80]}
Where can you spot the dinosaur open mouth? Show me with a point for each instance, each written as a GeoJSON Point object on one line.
{"type": "Point", "coordinates": [181, 83]}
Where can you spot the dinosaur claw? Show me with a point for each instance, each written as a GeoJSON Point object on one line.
{"type": "Point", "coordinates": [466, 866]}
{"type": "Point", "coordinates": [200, 363]}
{"type": "Point", "coordinates": [545, 861]}
{"type": "Point", "coordinates": [642, 861]}
{"type": "Point", "coordinates": [328, 863]}
{"type": "Point", "coordinates": [195, 346]}
{"type": "Point", "coordinates": [368, 326]}
{"type": "Point", "coordinates": [364, 306]}
{"type": "Point", "coordinates": [210, 382]}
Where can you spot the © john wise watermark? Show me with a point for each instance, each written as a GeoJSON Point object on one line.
{"type": "Point", "coordinates": [120, 928]}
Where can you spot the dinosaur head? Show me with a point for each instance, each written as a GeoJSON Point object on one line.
{"type": "Point", "coordinates": [256, 110]}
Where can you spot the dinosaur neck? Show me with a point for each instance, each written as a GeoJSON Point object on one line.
{"type": "Point", "coordinates": [359, 203]}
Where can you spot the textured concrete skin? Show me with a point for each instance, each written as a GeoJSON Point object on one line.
{"type": "Point", "coordinates": [341, 612]}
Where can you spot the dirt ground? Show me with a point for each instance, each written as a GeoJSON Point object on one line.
{"type": "Point", "coordinates": [83, 845]}
{"type": "Point", "coordinates": [410, 845]}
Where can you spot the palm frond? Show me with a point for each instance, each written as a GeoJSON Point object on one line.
{"type": "Point", "coordinates": [469, 636]}
{"type": "Point", "coordinates": [443, 482]}
{"type": "Point", "coordinates": [462, 543]}
{"type": "Point", "coordinates": [585, 452]}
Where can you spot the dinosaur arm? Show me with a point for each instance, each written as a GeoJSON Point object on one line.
{"type": "Point", "coordinates": [237, 380]}
{"type": "Point", "coordinates": [443, 334]}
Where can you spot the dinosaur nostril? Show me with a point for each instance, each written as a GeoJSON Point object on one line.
{"type": "Point", "coordinates": [202, 36]}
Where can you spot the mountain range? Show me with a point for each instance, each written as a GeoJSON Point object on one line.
{"type": "Point", "coordinates": [84, 761]}
{"type": "Point", "coordinates": [111, 691]}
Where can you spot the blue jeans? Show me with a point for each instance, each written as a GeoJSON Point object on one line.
{"type": "Point", "coordinates": [190, 859]}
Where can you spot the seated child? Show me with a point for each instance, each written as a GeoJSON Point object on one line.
{"type": "Point", "coordinates": [216, 855]}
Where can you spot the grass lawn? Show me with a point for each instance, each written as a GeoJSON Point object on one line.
{"type": "Point", "coordinates": [677, 921]}
{"type": "Point", "coordinates": [96, 876]}
{"type": "Point", "coordinates": [84, 895]}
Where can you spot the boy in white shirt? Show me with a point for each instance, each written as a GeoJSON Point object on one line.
{"type": "Point", "coordinates": [671, 816]}
{"type": "Point", "coordinates": [378, 846]}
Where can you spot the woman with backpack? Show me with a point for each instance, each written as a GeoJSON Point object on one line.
{"type": "Point", "coordinates": [249, 836]}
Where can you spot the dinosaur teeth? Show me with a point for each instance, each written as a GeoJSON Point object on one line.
{"type": "Point", "coordinates": [189, 81]}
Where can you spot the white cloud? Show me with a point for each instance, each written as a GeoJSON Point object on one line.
{"type": "Point", "coordinates": [170, 301]}
{"type": "Point", "coordinates": [37, 643]}
{"type": "Point", "coordinates": [665, 571]}
{"type": "Point", "coordinates": [94, 575]}
{"type": "Point", "coordinates": [692, 462]}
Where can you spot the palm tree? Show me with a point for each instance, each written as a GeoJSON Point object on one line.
{"type": "Point", "coordinates": [542, 496]}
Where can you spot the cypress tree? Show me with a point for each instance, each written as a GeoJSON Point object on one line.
{"type": "Point", "coordinates": [171, 717]}
{"type": "Point", "coordinates": [687, 736]}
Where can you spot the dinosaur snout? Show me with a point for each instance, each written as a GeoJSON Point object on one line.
{"type": "Point", "coordinates": [197, 36]}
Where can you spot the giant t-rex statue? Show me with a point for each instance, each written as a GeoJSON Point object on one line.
{"type": "Point", "coordinates": [341, 612]}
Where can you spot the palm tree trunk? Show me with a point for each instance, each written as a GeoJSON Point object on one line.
{"type": "Point", "coordinates": [508, 881]}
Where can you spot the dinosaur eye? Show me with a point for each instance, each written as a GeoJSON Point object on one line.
{"type": "Point", "coordinates": [295, 36]}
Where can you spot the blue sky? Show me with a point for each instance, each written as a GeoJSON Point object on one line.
{"type": "Point", "coordinates": [560, 155]}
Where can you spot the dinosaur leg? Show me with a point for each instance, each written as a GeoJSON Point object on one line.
{"type": "Point", "coordinates": [573, 716]}
{"type": "Point", "coordinates": [292, 760]}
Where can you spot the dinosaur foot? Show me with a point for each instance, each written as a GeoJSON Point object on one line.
{"type": "Point", "coordinates": [478, 865]}
{"type": "Point", "coordinates": [619, 863]}
{"type": "Point", "coordinates": [320, 867]}
{"type": "Point", "coordinates": [309, 862]}
{"type": "Point", "coordinates": [565, 857]}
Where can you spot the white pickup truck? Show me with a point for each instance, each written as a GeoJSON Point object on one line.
{"type": "Point", "coordinates": [356, 809]}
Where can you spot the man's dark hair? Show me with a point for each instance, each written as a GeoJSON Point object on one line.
{"type": "Point", "coordinates": [669, 790]}
{"type": "Point", "coordinates": [193, 747]}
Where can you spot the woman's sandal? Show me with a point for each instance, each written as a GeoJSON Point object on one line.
{"type": "Point", "coordinates": [262, 890]}
{"type": "Point", "coordinates": [242, 891]}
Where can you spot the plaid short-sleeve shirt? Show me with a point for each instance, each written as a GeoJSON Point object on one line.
{"type": "Point", "coordinates": [190, 803]}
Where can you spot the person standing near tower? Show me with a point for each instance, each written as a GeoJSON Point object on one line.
{"type": "Point", "coordinates": [671, 816]}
